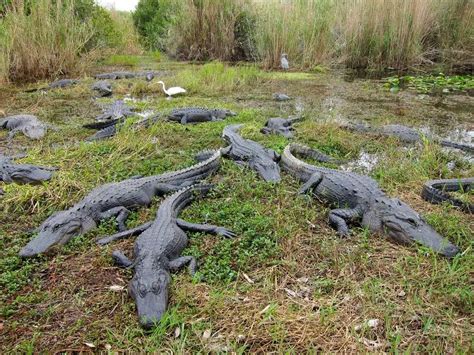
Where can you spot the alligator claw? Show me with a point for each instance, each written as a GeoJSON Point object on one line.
{"type": "Point", "coordinates": [224, 232]}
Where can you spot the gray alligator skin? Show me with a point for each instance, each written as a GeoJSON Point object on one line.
{"type": "Point", "coordinates": [113, 199]}
{"type": "Point", "coordinates": [103, 88]}
{"type": "Point", "coordinates": [407, 135]}
{"type": "Point", "coordinates": [117, 110]}
{"type": "Point", "coordinates": [116, 75]}
{"type": "Point", "coordinates": [281, 97]}
{"type": "Point", "coordinates": [358, 199]}
{"type": "Point", "coordinates": [198, 114]}
{"type": "Point", "coordinates": [58, 84]}
{"type": "Point", "coordinates": [249, 153]}
{"type": "Point", "coordinates": [157, 252]}
{"type": "Point", "coordinates": [437, 191]}
{"type": "Point", "coordinates": [29, 125]}
{"type": "Point", "coordinates": [23, 173]}
{"type": "Point", "coordinates": [109, 129]}
{"type": "Point", "coordinates": [282, 126]}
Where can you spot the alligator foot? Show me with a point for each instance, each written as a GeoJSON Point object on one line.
{"type": "Point", "coordinates": [121, 260]}
{"type": "Point", "coordinates": [311, 184]}
{"type": "Point", "coordinates": [120, 214]}
{"type": "Point", "coordinates": [206, 228]}
{"type": "Point", "coordinates": [178, 263]}
{"type": "Point", "coordinates": [125, 234]}
{"type": "Point", "coordinates": [338, 219]}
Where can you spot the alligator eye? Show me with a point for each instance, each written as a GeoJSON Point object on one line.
{"type": "Point", "coordinates": [412, 222]}
{"type": "Point", "coordinates": [156, 287]}
{"type": "Point", "coordinates": [142, 290]}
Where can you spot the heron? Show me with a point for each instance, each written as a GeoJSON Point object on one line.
{"type": "Point", "coordinates": [171, 91]}
{"type": "Point", "coordinates": [284, 62]}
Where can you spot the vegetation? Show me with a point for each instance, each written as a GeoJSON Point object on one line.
{"type": "Point", "coordinates": [432, 83]}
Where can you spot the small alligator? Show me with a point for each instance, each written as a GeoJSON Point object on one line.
{"type": "Point", "coordinates": [281, 97]}
{"type": "Point", "coordinates": [198, 115]}
{"type": "Point", "coordinates": [157, 252]}
{"type": "Point", "coordinates": [58, 84]}
{"type": "Point", "coordinates": [114, 199]}
{"type": "Point", "coordinates": [278, 125]}
{"type": "Point", "coordinates": [148, 75]}
{"type": "Point", "coordinates": [407, 135]}
{"type": "Point", "coordinates": [115, 111]}
{"type": "Point", "coordinates": [102, 88]}
{"type": "Point", "coordinates": [250, 153]}
{"type": "Point", "coordinates": [28, 124]}
{"type": "Point", "coordinates": [358, 199]}
{"type": "Point", "coordinates": [23, 173]}
{"type": "Point", "coordinates": [437, 191]}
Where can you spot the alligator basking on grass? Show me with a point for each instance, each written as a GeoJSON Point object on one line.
{"type": "Point", "coordinates": [246, 152]}
{"type": "Point", "coordinates": [103, 88]}
{"type": "Point", "coordinates": [116, 75]}
{"type": "Point", "coordinates": [115, 111]}
{"type": "Point", "coordinates": [114, 199]}
{"type": "Point", "coordinates": [281, 97]}
{"type": "Point", "coordinates": [198, 115]}
{"type": "Point", "coordinates": [110, 129]}
{"type": "Point", "coordinates": [282, 126]}
{"type": "Point", "coordinates": [29, 125]}
{"type": "Point", "coordinates": [58, 84]}
{"type": "Point", "coordinates": [157, 252]}
{"type": "Point", "coordinates": [437, 191]}
{"type": "Point", "coordinates": [358, 199]}
{"type": "Point", "coordinates": [23, 173]}
{"type": "Point", "coordinates": [407, 135]}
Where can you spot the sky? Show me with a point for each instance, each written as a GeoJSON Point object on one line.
{"type": "Point", "coordinates": [122, 5]}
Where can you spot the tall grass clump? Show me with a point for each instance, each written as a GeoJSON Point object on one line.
{"type": "Point", "coordinates": [302, 28]}
{"type": "Point", "coordinates": [210, 29]}
{"type": "Point", "coordinates": [129, 41]}
{"type": "Point", "coordinates": [45, 40]}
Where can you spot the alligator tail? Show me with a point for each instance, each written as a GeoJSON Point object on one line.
{"type": "Point", "coordinates": [101, 125]}
{"type": "Point", "coordinates": [432, 193]}
{"type": "Point", "coordinates": [312, 153]}
{"type": "Point", "coordinates": [465, 147]}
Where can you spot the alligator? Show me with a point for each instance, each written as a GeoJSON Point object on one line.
{"type": "Point", "coordinates": [281, 97]}
{"type": "Point", "coordinates": [437, 191]}
{"type": "Point", "coordinates": [116, 75]}
{"type": "Point", "coordinates": [198, 115]}
{"type": "Point", "coordinates": [278, 125]}
{"type": "Point", "coordinates": [58, 84]}
{"type": "Point", "coordinates": [114, 200]}
{"type": "Point", "coordinates": [23, 173]}
{"type": "Point", "coordinates": [115, 111]}
{"type": "Point", "coordinates": [30, 125]}
{"type": "Point", "coordinates": [358, 199]}
{"type": "Point", "coordinates": [407, 135]}
{"type": "Point", "coordinates": [249, 153]}
{"type": "Point", "coordinates": [157, 252]}
{"type": "Point", "coordinates": [109, 129]}
{"type": "Point", "coordinates": [102, 88]}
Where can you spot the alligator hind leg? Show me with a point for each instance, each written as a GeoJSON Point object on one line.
{"type": "Point", "coordinates": [121, 260]}
{"type": "Point", "coordinates": [120, 214]}
{"type": "Point", "coordinates": [178, 263]}
{"type": "Point", "coordinates": [340, 217]}
{"type": "Point", "coordinates": [311, 184]}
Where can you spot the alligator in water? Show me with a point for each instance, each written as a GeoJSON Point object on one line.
{"type": "Point", "coordinates": [103, 88]}
{"type": "Point", "coordinates": [198, 115]}
{"type": "Point", "coordinates": [437, 191]}
{"type": "Point", "coordinates": [28, 124]}
{"type": "Point", "coordinates": [148, 75]}
{"type": "Point", "coordinates": [58, 84]}
{"type": "Point", "coordinates": [358, 199]}
{"type": "Point", "coordinates": [250, 153]}
{"type": "Point", "coordinates": [23, 173]}
{"type": "Point", "coordinates": [407, 135]}
{"type": "Point", "coordinates": [157, 252]}
{"type": "Point", "coordinates": [282, 126]}
{"type": "Point", "coordinates": [114, 199]}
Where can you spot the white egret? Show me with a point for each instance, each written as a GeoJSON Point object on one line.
{"type": "Point", "coordinates": [171, 91]}
{"type": "Point", "coordinates": [284, 62]}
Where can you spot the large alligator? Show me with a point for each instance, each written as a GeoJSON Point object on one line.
{"type": "Point", "coordinates": [58, 84]}
{"type": "Point", "coordinates": [114, 200]}
{"type": "Point", "coordinates": [358, 199]}
{"type": "Point", "coordinates": [157, 252]}
{"type": "Point", "coordinates": [250, 153]}
{"type": "Point", "coordinates": [198, 115]}
{"type": "Point", "coordinates": [109, 129]}
{"type": "Point", "coordinates": [23, 173]}
{"type": "Point", "coordinates": [282, 126]}
{"type": "Point", "coordinates": [116, 75]}
{"type": "Point", "coordinates": [29, 125]}
{"type": "Point", "coordinates": [103, 88]}
{"type": "Point", "coordinates": [406, 135]}
{"type": "Point", "coordinates": [437, 191]}
{"type": "Point", "coordinates": [115, 111]}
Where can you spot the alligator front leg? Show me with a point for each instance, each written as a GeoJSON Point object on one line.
{"type": "Point", "coordinates": [312, 183]}
{"type": "Point", "coordinates": [125, 234]}
{"type": "Point", "coordinates": [206, 228]}
{"type": "Point", "coordinates": [340, 217]}
{"type": "Point", "coordinates": [178, 263]}
{"type": "Point", "coordinates": [120, 214]}
{"type": "Point", "coordinates": [121, 260]}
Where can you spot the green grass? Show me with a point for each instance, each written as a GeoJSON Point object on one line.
{"type": "Point", "coordinates": [308, 289]}
{"type": "Point", "coordinates": [123, 60]}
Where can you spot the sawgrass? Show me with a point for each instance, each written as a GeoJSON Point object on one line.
{"type": "Point", "coordinates": [286, 284]}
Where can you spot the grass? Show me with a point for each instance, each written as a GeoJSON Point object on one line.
{"type": "Point", "coordinates": [287, 283]}
{"type": "Point", "coordinates": [123, 60]}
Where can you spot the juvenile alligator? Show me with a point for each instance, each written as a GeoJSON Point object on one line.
{"type": "Point", "coordinates": [407, 135]}
{"type": "Point", "coordinates": [28, 124]}
{"type": "Point", "coordinates": [23, 173]}
{"type": "Point", "coordinates": [198, 115]}
{"type": "Point", "coordinates": [58, 84]}
{"type": "Point", "coordinates": [249, 153]}
{"type": "Point", "coordinates": [437, 191]}
{"type": "Point", "coordinates": [278, 125]}
{"type": "Point", "coordinates": [116, 75]}
{"type": "Point", "coordinates": [358, 199]}
{"type": "Point", "coordinates": [114, 199]}
{"type": "Point", "coordinates": [102, 88]}
{"type": "Point", "coordinates": [157, 252]}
